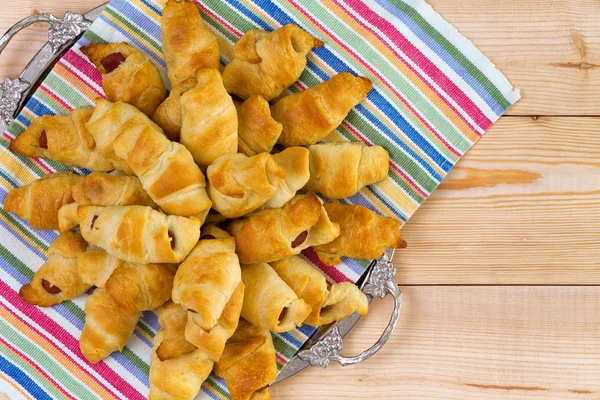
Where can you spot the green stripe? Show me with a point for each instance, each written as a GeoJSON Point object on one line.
{"type": "Point", "coordinates": [116, 16]}
{"type": "Point", "coordinates": [93, 37]}
{"type": "Point", "coordinates": [282, 347]}
{"type": "Point", "coordinates": [135, 360]}
{"type": "Point", "coordinates": [64, 89]}
{"type": "Point", "coordinates": [215, 386]}
{"type": "Point", "coordinates": [20, 229]}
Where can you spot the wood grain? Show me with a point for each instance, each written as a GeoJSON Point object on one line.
{"type": "Point", "coordinates": [486, 343]}
{"type": "Point", "coordinates": [522, 207]}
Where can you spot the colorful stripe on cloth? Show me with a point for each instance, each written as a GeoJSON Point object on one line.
{"type": "Point", "coordinates": [434, 95]}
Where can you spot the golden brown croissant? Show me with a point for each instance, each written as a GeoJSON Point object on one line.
{"type": "Point", "coordinates": [207, 278]}
{"type": "Point", "coordinates": [328, 303]}
{"type": "Point", "coordinates": [127, 75]}
{"type": "Point", "coordinates": [67, 217]}
{"type": "Point", "coordinates": [248, 364]}
{"type": "Point", "coordinates": [296, 164]}
{"type": "Point", "coordinates": [172, 318]}
{"type": "Point", "coordinates": [40, 201]}
{"type": "Point", "coordinates": [187, 44]}
{"type": "Point", "coordinates": [209, 119]}
{"type": "Point", "coordinates": [168, 114]}
{"type": "Point", "coordinates": [95, 266]}
{"type": "Point", "coordinates": [139, 234]}
{"type": "Point", "coordinates": [63, 138]}
{"type": "Point", "coordinates": [310, 115]}
{"type": "Point", "coordinates": [257, 130]}
{"type": "Point", "coordinates": [266, 63]}
{"type": "Point", "coordinates": [238, 184]}
{"type": "Point", "coordinates": [269, 302]}
{"type": "Point", "coordinates": [270, 235]}
{"type": "Point", "coordinates": [107, 326]}
{"type": "Point", "coordinates": [57, 279]}
{"type": "Point", "coordinates": [364, 234]}
{"type": "Point", "coordinates": [102, 189]}
{"type": "Point", "coordinates": [340, 170]}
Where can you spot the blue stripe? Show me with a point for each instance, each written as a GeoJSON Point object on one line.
{"type": "Point", "coordinates": [12, 271]}
{"type": "Point", "coordinates": [139, 19]}
{"type": "Point", "coordinates": [9, 180]}
{"type": "Point", "coordinates": [354, 265]}
{"type": "Point", "coordinates": [38, 108]}
{"type": "Point", "coordinates": [239, 7]}
{"type": "Point", "coordinates": [289, 338]}
{"type": "Point", "coordinates": [23, 380]}
{"type": "Point", "coordinates": [141, 376]}
{"type": "Point", "coordinates": [151, 319]}
{"type": "Point", "coordinates": [156, 10]}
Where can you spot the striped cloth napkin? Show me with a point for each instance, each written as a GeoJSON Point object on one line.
{"type": "Point", "coordinates": [434, 95]}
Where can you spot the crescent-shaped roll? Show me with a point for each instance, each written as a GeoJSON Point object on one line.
{"type": "Point", "coordinates": [269, 302]}
{"type": "Point", "coordinates": [257, 130]}
{"type": "Point", "coordinates": [238, 185]}
{"type": "Point", "coordinates": [328, 303]}
{"type": "Point", "coordinates": [168, 114]}
{"type": "Point", "coordinates": [248, 364]}
{"type": "Point", "coordinates": [102, 189]}
{"type": "Point", "coordinates": [207, 278]}
{"type": "Point", "coordinates": [107, 326]}
{"type": "Point", "coordinates": [141, 287]}
{"type": "Point", "coordinates": [187, 44]}
{"type": "Point", "coordinates": [172, 319]}
{"type": "Point", "coordinates": [67, 217]}
{"type": "Point", "coordinates": [166, 169]}
{"type": "Point", "coordinates": [209, 119]}
{"type": "Point", "coordinates": [270, 235]}
{"type": "Point", "coordinates": [57, 279]}
{"type": "Point", "coordinates": [340, 170]}
{"type": "Point", "coordinates": [309, 116]}
{"type": "Point", "coordinates": [139, 234]}
{"type": "Point", "coordinates": [63, 138]}
{"type": "Point", "coordinates": [127, 75]}
{"type": "Point", "coordinates": [40, 201]}
{"type": "Point", "coordinates": [95, 266]}
{"type": "Point", "coordinates": [266, 63]}
{"type": "Point", "coordinates": [363, 234]}
{"type": "Point", "coordinates": [295, 162]}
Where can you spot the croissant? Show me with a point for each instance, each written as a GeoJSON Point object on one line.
{"type": "Point", "coordinates": [165, 168]}
{"type": "Point", "coordinates": [257, 130]}
{"type": "Point", "coordinates": [64, 139]}
{"type": "Point", "coordinates": [248, 364]}
{"type": "Point", "coordinates": [340, 170]}
{"type": "Point", "coordinates": [107, 326]}
{"type": "Point", "coordinates": [95, 266]}
{"type": "Point", "coordinates": [67, 217]}
{"type": "Point", "coordinates": [209, 119]}
{"type": "Point", "coordinates": [269, 302]}
{"type": "Point", "coordinates": [40, 201]}
{"type": "Point", "coordinates": [238, 184]}
{"type": "Point", "coordinates": [295, 162]}
{"type": "Point", "coordinates": [207, 278]}
{"type": "Point", "coordinates": [102, 189]}
{"type": "Point", "coordinates": [266, 63]}
{"type": "Point", "coordinates": [139, 234]}
{"type": "Point", "coordinates": [270, 235]}
{"type": "Point", "coordinates": [328, 303]}
{"type": "Point", "coordinates": [168, 114]}
{"type": "Point", "coordinates": [141, 287]}
{"type": "Point", "coordinates": [57, 279]}
{"type": "Point", "coordinates": [187, 44]}
{"type": "Point", "coordinates": [310, 115]}
{"type": "Point", "coordinates": [364, 234]}
{"type": "Point", "coordinates": [172, 318]}
{"type": "Point", "coordinates": [127, 75]}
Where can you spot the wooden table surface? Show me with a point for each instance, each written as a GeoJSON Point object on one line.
{"type": "Point", "coordinates": [501, 275]}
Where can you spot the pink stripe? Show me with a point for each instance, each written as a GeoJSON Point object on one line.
{"type": "Point", "coordinates": [365, 65]}
{"type": "Point", "coordinates": [423, 62]}
{"type": "Point", "coordinates": [332, 272]}
{"type": "Point", "coordinates": [234, 30]}
{"type": "Point", "coordinates": [79, 75]}
{"type": "Point", "coordinates": [281, 359]}
{"type": "Point", "coordinates": [42, 165]}
{"type": "Point", "coordinates": [56, 98]}
{"type": "Point", "coordinates": [84, 66]}
{"type": "Point", "coordinates": [37, 368]}
{"type": "Point", "coordinates": [68, 341]}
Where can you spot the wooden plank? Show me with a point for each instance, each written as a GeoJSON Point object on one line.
{"type": "Point", "coordinates": [471, 343]}
{"type": "Point", "coordinates": [522, 207]}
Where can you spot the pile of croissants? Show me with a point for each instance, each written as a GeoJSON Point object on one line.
{"type": "Point", "coordinates": [200, 204]}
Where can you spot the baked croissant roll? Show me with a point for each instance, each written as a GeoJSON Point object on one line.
{"type": "Point", "coordinates": [207, 278]}
{"type": "Point", "coordinates": [363, 234]}
{"type": "Point", "coordinates": [328, 303]}
{"type": "Point", "coordinates": [257, 130]}
{"type": "Point", "coordinates": [102, 189]}
{"type": "Point", "coordinates": [309, 116]}
{"type": "Point", "coordinates": [139, 234]}
{"type": "Point", "coordinates": [165, 168]}
{"type": "Point", "coordinates": [266, 63]}
{"type": "Point", "coordinates": [107, 326]}
{"type": "Point", "coordinates": [95, 266]}
{"type": "Point", "coordinates": [340, 170]}
{"type": "Point", "coordinates": [172, 318]}
{"type": "Point", "coordinates": [127, 75]}
{"type": "Point", "coordinates": [295, 162]}
{"type": "Point", "coordinates": [62, 138]}
{"type": "Point", "coordinates": [269, 302]}
{"type": "Point", "coordinates": [209, 119]}
{"type": "Point", "coordinates": [40, 201]}
{"type": "Point", "coordinates": [67, 217]}
{"type": "Point", "coordinates": [248, 364]}
{"type": "Point", "coordinates": [168, 114]}
{"type": "Point", "coordinates": [270, 235]}
{"type": "Point", "coordinates": [141, 287]}
{"type": "Point", "coordinates": [238, 184]}
{"type": "Point", "coordinates": [187, 44]}
{"type": "Point", "coordinates": [57, 279]}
